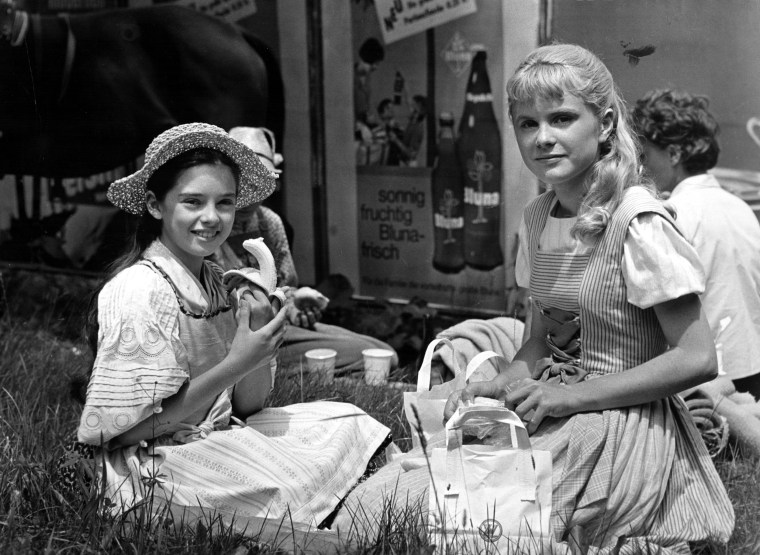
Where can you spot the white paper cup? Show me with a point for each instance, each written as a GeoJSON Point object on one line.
{"type": "Point", "coordinates": [377, 365]}
{"type": "Point", "coordinates": [321, 362]}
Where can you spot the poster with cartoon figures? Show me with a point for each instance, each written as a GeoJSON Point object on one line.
{"type": "Point", "coordinates": [434, 218]}
{"type": "Point", "coordinates": [441, 223]}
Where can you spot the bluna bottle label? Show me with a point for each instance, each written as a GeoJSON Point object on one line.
{"type": "Point", "coordinates": [448, 201]}
{"type": "Point", "coordinates": [479, 149]}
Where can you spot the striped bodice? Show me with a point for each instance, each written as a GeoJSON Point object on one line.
{"type": "Point", "coordinates": [615, 335]}
{"type": "Point", "coordinates": [557, 279]}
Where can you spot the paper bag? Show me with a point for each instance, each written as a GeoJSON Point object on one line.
{"type": "Point", "coordinates": [492, 494]}
{"type": "Point", "coordinates": [430, 402]}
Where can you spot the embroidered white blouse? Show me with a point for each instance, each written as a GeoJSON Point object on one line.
{"type": "Point", "coordinates": [143, 355]}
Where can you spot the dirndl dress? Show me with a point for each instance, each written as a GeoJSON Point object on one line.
{"type": "Point", "coordinates": [642, 472]}
{"type": "Point", "coordinates": [631, 480]}
{"type": "Point", "coordinates": [159, 327]}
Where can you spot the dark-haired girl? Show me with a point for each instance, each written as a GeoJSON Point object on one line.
{"type": "Point", "coordinates": [181, 373]}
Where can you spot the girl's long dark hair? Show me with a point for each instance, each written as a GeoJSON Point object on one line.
{"type": "Point", "coordinates": [146, 231]}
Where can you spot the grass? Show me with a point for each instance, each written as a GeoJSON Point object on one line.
{"type": "Point", "coordinates": [40, 350]}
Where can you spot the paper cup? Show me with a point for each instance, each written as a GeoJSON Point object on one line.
{"type": "Point", "coordinates": [377, 365]}
{"type": "Point", "coordinates": [321, 362]}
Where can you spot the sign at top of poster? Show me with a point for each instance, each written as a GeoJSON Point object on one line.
{"type": "Point", "coordinates": [402, 18]}
{"type": "Point", "coordinates": [230, 10]}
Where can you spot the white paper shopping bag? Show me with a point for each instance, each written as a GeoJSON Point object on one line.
{"type": "Point", "coordinates": [427, 415]}
{"type": "Point", "coordinates": [494, 492]}
{"type": "Point", "coordinates": [429, 402]}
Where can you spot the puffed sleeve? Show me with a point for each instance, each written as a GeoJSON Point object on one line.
{"type": "Point", "coordinates": [658, 263]}
{"type": "Point", "coordinates": [140, 360]}
{"type": "Point", "coordinates": [522, 264]}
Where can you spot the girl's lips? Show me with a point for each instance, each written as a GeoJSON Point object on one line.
{"type": "Point", "coordinates": [206, 234]}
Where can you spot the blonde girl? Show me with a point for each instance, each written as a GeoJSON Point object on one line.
{"type": "Point", "coordinates": [617, 329]}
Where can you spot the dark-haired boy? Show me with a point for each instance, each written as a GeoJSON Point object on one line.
{"type": "Point", "coordinates": [680, 145]}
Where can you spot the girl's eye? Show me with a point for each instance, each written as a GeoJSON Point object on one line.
{"type": "Point", "coordinates": [563, 119]}
{"type": "Point", "coordinates": [227, 202]}
{"type": "Point", "coordinates": [192, 201]}
{"type": "Point", "coordinates": [527, 124]}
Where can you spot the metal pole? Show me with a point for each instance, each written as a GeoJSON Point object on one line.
{"type": "Point", "coordinates": [432, 114]}
{"type": "Point", "coordinates": [545, 16]}
{"type": "Point", "coordinates": [317, 135]}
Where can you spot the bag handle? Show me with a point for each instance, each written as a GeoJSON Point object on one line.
{"type": "Point", "coordinates": [480, 358]}
{"type": "Point", "coordinates": [525, 479]}
{"type": "Point", "coordinates": [423, 376]}
{"type": "Point", "coordinates": [495, 414]}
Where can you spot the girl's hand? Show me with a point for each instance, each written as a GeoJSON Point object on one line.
{"type": "Point", "coordinates": [261, 311]}
{"type": "Point", "coordinates": [491, 388]}
{"type": "Point", "coordinates": [253, 348]}
{"type": "Point", "coordinates": [304, 318]}
{"type": "Point", "coordinates": [534, 400]}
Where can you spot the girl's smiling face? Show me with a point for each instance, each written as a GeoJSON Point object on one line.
{"type": "Point", "coordinates": [197, 213]}
{"type": "Point", "coordinates": [559, 139]}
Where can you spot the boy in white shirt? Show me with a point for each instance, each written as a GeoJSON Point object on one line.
{"type": "Point", "coordinates": [680, 145]}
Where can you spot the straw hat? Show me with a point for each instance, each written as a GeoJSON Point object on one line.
{"type": "Point", "coordinates": [256, 181]}
{"type": "Point", "coordinates": [261, 141]}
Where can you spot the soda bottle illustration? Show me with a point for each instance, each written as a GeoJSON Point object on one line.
{"type": "Point", "coordinates": [479, 150]}
{"type": "Point", "coordinates": [448, 201]}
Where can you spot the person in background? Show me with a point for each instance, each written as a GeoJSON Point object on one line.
{"type": "Point", "coordinates": [368, 152]}
{"type": "Point", "coordinates": [406, 145]}
{"type": "Point", "coordinates": [305, 312]}
{"type": "Point", "coordinates": [386, 114]}
{"type": "Point", "coordinates": [371, 53]}
{"type": "Point", "coordinates": [388, 132]}
{"type": "Point", "coordinates": [680, 145]}
{"type": "Point", "coordinates": [403, 143]}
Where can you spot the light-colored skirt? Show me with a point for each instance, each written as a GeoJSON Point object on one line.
{"type": "Point", "coordinates": [299, 460]}
{"type": "Point", "coordinates": [638, 477]}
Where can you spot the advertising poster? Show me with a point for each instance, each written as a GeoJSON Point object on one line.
{"type": "Point", "coordinates": [430, 176]}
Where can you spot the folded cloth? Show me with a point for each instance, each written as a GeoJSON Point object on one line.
{"type": "Point", "coordinates": [470, 337]}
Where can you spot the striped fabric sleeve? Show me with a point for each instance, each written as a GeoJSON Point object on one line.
{"type": "Point", "coordinates": [658, 263]}
{"type": "Point", "coordinates": [140, 360]}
